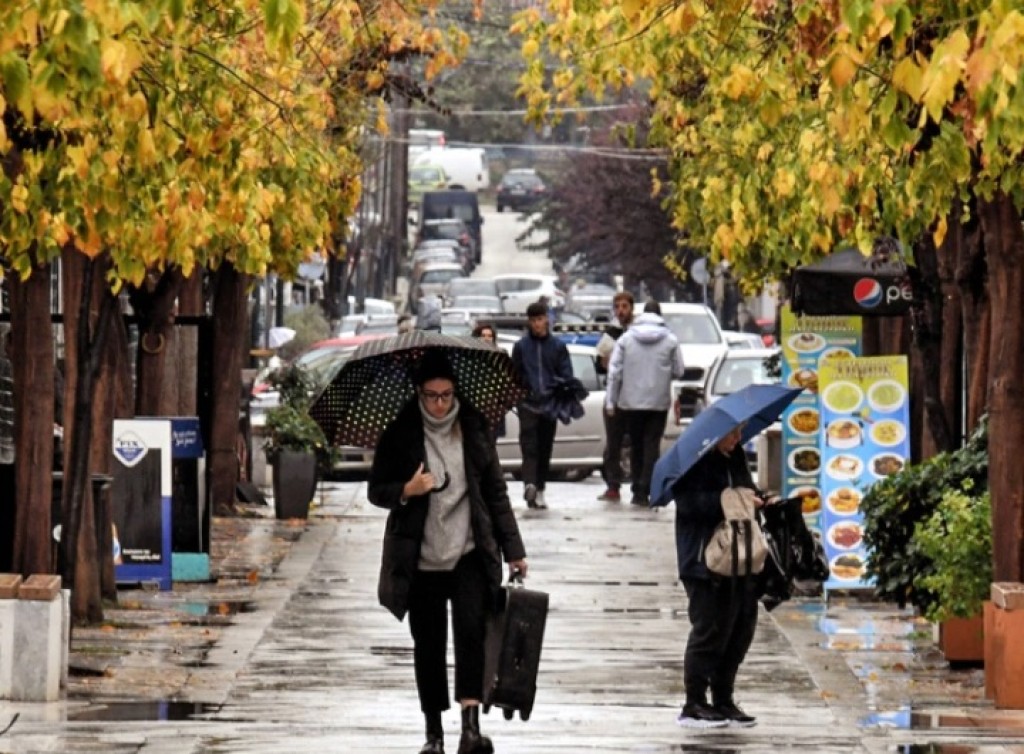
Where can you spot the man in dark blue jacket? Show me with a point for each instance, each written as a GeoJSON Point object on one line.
{"type": "Point", "coordinates": [543, 363]}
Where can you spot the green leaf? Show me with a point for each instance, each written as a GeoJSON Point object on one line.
{"type": "Point", "coordinates": [14, 75]}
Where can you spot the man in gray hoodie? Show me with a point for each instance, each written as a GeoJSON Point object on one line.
{"type": "Point", "coordinates": [645, 361]}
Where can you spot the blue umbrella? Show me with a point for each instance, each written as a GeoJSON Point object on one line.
{"type": "Point", "coordinates": [756, 405]}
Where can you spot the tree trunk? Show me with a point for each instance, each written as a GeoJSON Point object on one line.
{"type": "Point", "coordinates": [229, 345]}
{"type": "Point", "coordinates": [972, 280]}
{"type": "Point", "coordinates": [951, 358]}
{"type": "Point", "coordinates": [186, 365]}
{"type": "Point", "coordinates": [927, 315]}
{"type": "Point", "coordinates": [156, 330]}
{"type": "Point", "coordinates": [1004, 246]}
{"type": "Point", "coordinates": [32, 361]}
{"type": "Point", "coordinates": [85, 337]}
{"type": "Point", "coordinates": [113, 401]}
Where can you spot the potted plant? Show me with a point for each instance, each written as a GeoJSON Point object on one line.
{"type": "Point", "coordinates": [894, 507]}
{"type": "Point", "coordinates": [957, 538]}
{"type": "Point", "coordinates": [295, 444]}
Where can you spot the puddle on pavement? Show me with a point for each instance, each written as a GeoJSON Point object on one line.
{"type": "Point", "coordinates": [905, 718]}
{"type": "Point", "coordinates": [934, 749]}
{"type": "Point", "coordinates": [159, 710]}
{"type": "Point", "coordinates": [223, 608]}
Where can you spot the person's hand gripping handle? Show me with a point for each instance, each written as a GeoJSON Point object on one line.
{"type": "Point", "coordinates": [421, 483]}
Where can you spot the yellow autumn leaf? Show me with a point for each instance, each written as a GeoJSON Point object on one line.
{"type": "Point", "coordinates": [146, 151]}
{"type": "Point", "coordinates": [939, 234]}
{"type": "Point", "coordinates": [530, 48]}
{"type": "Point", "coordinates": [784, 183]}
{"type": "Point", "coordinates": [908, 77]}
{"type": "Point", "coordinates": [943, 73]}
{"type": "Point", "coordinates": [842, 70]}
{"type": "Point", "coordinates": [113, 54]}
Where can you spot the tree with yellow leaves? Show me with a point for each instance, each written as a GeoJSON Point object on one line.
{"type": "Point", "coordinates": [145, 142]}
{"type": "Point", "coordinates": [795, 126]}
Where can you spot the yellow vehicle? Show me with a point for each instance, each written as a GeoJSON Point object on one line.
{"type": "Point", "coordinates": [425, 178]}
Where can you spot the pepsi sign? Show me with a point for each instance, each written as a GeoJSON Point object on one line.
{"type": "Point", "coordinates": [869, 293]}
{"type": "Point", "coordinates": [847, 283]}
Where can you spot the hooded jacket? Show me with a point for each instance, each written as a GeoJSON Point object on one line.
{"type": "Point", "coordinates": [543, 364]}
{"type": "Point", "coordinates": [399, 453]}
{"type": "Point", "coordinates": [645, 361]}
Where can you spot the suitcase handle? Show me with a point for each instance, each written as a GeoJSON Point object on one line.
{"type": "Point", "coordinates": [516, 579]}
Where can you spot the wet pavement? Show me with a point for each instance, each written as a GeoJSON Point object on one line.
{"type": "Point", "coordinates": [288, 651]}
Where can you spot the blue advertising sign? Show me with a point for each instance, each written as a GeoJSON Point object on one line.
{"type": "Point", "coordinates": [865, 416]}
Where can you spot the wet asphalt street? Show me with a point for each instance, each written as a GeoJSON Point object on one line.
{"type": "Point", "coordinates": [311, 663]}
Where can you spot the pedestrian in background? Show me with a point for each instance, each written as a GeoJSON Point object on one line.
{"type": "Point", "coordinates": [645, 361]}
{"type": "Point", "coordinates": [723, 614]}
{"type": "Point", "coordinates": [543, 363]}
{"type": "Point", "coordinates": [450, 523]}
{"type": "Point", "coordinates": [614, 426]}
{"type": "Point", "coordinates": [485, 331]}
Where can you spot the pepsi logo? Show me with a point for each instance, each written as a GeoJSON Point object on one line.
{"type": "Point", "coordinates": [867, 292]}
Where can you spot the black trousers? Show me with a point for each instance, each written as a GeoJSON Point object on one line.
{"type": "Point", "coordinates": [466, 588]}
{"type": "Point", "coordinates": [614, 434]}
{"type": "Point", "coordinates": [645, 431]}
{"type": "Point", "coordinates": [536, 441]}
{"type": "Point", "coordinates": [723, 617]}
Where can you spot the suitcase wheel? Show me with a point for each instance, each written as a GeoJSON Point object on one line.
{"type": "Point", "coordinates": [524, 714]}
{"type": "Point", "coordinates": [487, 708]}
{"type": "Point", "coordinates": [508, 713]}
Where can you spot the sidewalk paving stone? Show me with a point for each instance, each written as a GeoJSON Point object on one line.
{"type": "Point", "coordinates": [288, 651]}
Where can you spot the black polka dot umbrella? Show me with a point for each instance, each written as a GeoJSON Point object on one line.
{"type": "Point", "coordinates": [376, 382]}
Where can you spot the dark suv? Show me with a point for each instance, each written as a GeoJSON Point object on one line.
{"type": "Point", "coordinates": [520, 189]}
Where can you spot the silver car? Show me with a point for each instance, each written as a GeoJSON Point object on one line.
{"type": "Point", "coordinates": [579, 446]}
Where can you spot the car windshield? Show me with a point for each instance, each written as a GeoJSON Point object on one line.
{"type": "Point", "coordinates": [439, 276]}
{"type": "Point", "coordinates": [472, 287]}
{"type": "Point", "coordinates": [444, 230]}
{"type": "Point", "coordinates": [323, 363]}
{"type": "Point", "coordinates": [693, 327]}
{"type": "Point", "coordinates": [736, 374]}
{"type": "Point", "coordinates": [425, 174]}
{"type": "Point", "coordinates": [521, 179]}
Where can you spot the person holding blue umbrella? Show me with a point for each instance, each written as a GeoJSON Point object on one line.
{"type": "Point", "coordinates": [707, 459]}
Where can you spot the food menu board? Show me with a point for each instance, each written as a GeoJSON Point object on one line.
{"type": "Point", "coordinates": [807, 342]}
{"type": "Point", "coordinates": [865, 416]}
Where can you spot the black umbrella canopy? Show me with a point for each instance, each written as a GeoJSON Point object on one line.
{"type": "Point", "coordinates": [848, 282]}
{"type": "Point", "coordinates": [376, 382]}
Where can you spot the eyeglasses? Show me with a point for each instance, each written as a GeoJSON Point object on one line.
{"type": "Point", "coordinates": [430, 395]}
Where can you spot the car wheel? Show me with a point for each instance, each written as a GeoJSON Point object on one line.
{"type": "Point", "coordinates": [577, 475]}
{"type": "Point", "coordinates": [501, 208]}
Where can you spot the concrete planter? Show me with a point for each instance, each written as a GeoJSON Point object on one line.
{"type": "Point", "coordinates": [1004, 652]}
{"type": "Point", "coordinates": [962, 639]}
{"type": "Point", "coordinates": [295, 477]}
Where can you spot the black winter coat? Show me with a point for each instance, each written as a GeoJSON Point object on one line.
{"type": "Point", "coordinates": [398, 455]}
{"type": "Point", "coordinates": [698, 496]}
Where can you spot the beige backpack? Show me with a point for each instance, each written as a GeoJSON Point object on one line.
{"type": "Point", "coordinates": [738, 546]}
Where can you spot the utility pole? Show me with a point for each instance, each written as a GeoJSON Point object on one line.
{"type": "Point", "coordinates": [399, 172]}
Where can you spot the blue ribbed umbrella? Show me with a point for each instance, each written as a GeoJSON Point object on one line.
{"type": "Point", "coordinates": [755, 406]}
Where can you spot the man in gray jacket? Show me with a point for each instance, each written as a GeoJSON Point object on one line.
{"type": "Point", "coordinates": [645, 361]}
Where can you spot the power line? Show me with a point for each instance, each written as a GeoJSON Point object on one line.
{"type": "Point", "coordinates": [490, 113]}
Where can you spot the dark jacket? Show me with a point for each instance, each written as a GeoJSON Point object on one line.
{"type": "Point", "coordinates": [542, 363]}
{"type": "Point", "coordinates": [399, 453]}
{"type": "Point", "coordinates": [698, 496]}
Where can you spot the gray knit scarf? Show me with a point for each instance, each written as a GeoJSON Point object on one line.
{"type": "Point", "coordinates": [447, 535]}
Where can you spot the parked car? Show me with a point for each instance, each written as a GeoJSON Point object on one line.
{"type": "Point", "coordinates": [475, 304]}
{"type": "Point", "coordinates": [472, 287]}
{"type": "Point", "coordinates": [449, 229]}
{"type": "Point", "coordinates": [437, 253]}
{"type": "Point", "coordinates": [737, 339]}
{"type": "Point", "coordinates": [451, 203]}
{"type": "Point", "coordinates": [579, 446]}
{"type": "Point", "coordinates": [519, 189]}
{"type": "Point", "coordinates": [732, 371]}
{"type": "Point", "coordinates": [432, 280]}
{"type": "Point", "coordinates": [700, 338]}
{"type": "Point", "coordinates": [593, 300]}
{"type": "Point", "coordinates": [518, 290]}
{"type": "Point", "coordinates": [425, 178]}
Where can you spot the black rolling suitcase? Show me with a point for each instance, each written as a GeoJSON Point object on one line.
{"type": "Point", "coordinates": [515, 634]}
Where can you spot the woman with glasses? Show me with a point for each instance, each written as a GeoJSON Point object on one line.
{"type": "Point", "coordinates": [450, 525]}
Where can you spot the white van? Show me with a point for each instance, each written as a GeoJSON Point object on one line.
{"type": "Point", "coordinates": [466, 167]}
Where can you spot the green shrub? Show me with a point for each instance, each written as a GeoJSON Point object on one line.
{"type": "Point", "coordinates": [893, 507]}
{"type": "Point", "coordinates": [289, 425]}
{"type": "Point", "coordinates": [957, 538]}
{"type": "Point", "coordinates": [309, 324]}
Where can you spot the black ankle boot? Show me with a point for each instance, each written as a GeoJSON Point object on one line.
{"type": "Point", "coordinates": [435, 734]}
{"type": "Point", "coordinates": [472, 742]}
